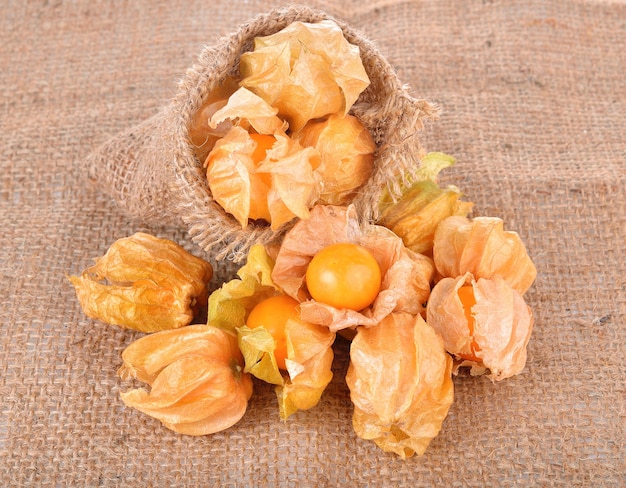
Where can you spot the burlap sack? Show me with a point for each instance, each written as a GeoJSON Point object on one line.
{"type": "Point", "coordinates": [533, 106]}
{"type": "Point", "coordinates": [152, 172]}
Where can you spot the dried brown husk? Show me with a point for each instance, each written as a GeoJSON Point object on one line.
{"type": "Point", "coordinates": [482, 247]}
{"type": "Point", "coordinates": [400, 383]}
{"type": "Point", "coordinates": [144, 283]}
{"type": "Point", "coordinates": [406, 275]}
{"type": "Point", "coordinates": [307, 70]}
{"type": "Point", "coordinates": [196, 379]}
{"type": "Point", "coordinates": [309, 346]}
{"type": "Point", "coordinates": [502, 325]}
{"type": "Point", "coordinates": [347, 151]}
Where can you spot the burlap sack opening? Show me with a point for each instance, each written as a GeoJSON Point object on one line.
{"type": "Point", "coordinates": [152, 173]}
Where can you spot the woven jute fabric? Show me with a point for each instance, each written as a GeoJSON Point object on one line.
{"type": "Point", "coordinates": [153, 174]}
{"type": "Point", "coordinates": [533, 107]}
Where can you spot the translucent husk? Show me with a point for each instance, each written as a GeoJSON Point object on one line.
{"type": "Point", "coordinates": [418, 213]}
{"type": "Point", "coordinates": [501, 328]}
{"type": "Point", "coordinates": [406, 276]}
{"type": "Point", "coordinates": [482, 247]}
{"type": "Point", "coordinates": [249, 110]}
{"type": "Point", "coordinates": [347, 153]}
{"type": "Point", "coordinates": [203, 136]}
{"type": "Point", "coordinates": [423, 205]}
{"type": "Point", "coordinates": [308, 366]}
{"type": "Point", "coordinates": [309, 346]}
{"type": "Point", "coordinates": [400, 383]}
{"type": "Point", "coordinates": [307, 70]}
{"type": "Point", "coordinates": [197, 385]}
{"type": "Point", "coordinates": [144, 283]}
{"type": "Point", "coordinates": [277, 189]}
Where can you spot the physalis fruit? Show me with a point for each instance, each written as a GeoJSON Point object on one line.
{"type": "Point", "coordinates": [196, 376]}
{"type": "Point", "coordinates": [344, 275]}
{"type": "Point", "coordinates": [144, 283]}
{"type": "Point", "coordinates": [273, 313]}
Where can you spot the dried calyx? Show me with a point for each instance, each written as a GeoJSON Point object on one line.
{"type": "Point", "coordinates": [144, 283]}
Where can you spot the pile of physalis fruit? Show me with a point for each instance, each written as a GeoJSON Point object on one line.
{"type": "Point", "coordinates": [420, 293]}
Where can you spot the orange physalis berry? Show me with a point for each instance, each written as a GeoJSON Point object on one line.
{"type": "Point", "coordinates": [344, 275]}
{"type": "Point", "coordinates": [466, 295]}
{"type": "Point", "coordinates": [273, 314]}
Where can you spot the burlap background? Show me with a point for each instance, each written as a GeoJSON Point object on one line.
{"type": "Point", "coordinates": [534, 108]}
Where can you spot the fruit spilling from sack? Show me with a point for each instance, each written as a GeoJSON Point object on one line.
{"type": "Point", "coordinates": [280, 139]}
{"type": "Point", "coordinates": [420, 292]}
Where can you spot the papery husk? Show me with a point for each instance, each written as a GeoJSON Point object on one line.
{"type": "Point", "coordinates": [309, 361]}
{"type": "Point", "coordinates": [277, 189]}
{"type": "Point", "coordinates": [258, 346]}
{"type": "Point", "coordinates": [142, 306]}
{"type": "Point", "coordinates": [400, 383]}
{"type": "Point", "coordinates": [482, 247]}
{"type": "Point", "coordinates": [307, 70]}
{"type": "Point", "coordinates": [347, 153]}
{"type": "Point", "coordinates": [417, 214]}
{"type": "Point", "coordinates": [502, 327]}
{"type": "Point", "coordinates": [423, 204]}
{"type": "Point", "coordinates": [230, 304]}
{"type": "Point", "coordinates": [146, 357]}
{"type": "Point", "coordinates": [406, 276]}
{"type": "Point", "coordinates": [309, 346]}
{"type": "Point", "coordinates": [196, 379]}
{"type": "Point", "coordinates": [144, 283]}
{"type": "Point", "coordinates": [294, 185]}
{"type": "Point", "coordinates": [202, 135]}
{"type": "Point", "coordinates": [247, 109]}
{"type": "Point", "coordinates": [431, 164]}
{"type": "Point", "coordinates": [151, 171]}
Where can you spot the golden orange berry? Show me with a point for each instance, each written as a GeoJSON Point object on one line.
{"type": "Point", "coordinates": [273, 314]}
{"type": "Point", "coordinates": [344, 275]}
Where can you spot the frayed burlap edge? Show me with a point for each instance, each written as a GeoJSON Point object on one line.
{"type": "Point", "coordinates": [152, 173]}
